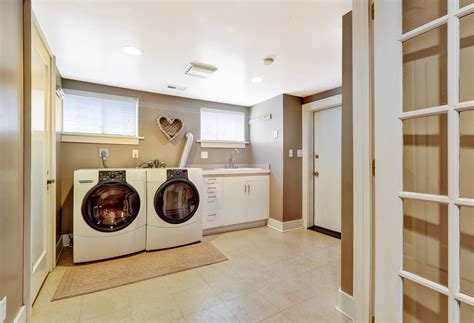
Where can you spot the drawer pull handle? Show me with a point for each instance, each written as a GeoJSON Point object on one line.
{"type": "Point", "coordinates": [211, 188]}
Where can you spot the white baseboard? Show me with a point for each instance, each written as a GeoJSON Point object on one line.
{"type": "Point", "coordinates": [345, 304]}
{"type": "Point", "coordinates": [285, 226]}
{"type": "Point", "coordinates": [20, 316]}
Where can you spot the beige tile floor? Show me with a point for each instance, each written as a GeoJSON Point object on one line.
{"type": "Point", "coordinates": [270, 277]}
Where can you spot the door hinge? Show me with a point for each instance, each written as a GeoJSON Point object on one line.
{"type": "Point", "coordinates": [373, 167]}
{"type": "Point", "coordinates": [372, 11]}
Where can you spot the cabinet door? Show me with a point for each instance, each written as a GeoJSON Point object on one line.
{"type": "Point", "coordinates": [258, 199]}
{"type": "Point", "coordinates": [234, 200]}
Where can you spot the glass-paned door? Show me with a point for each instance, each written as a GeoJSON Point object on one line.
{"type": "Point", "coordinates": [424, 143]}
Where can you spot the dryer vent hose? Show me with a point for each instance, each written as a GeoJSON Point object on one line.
{"type": "Point", "coordinates": [187, 148]}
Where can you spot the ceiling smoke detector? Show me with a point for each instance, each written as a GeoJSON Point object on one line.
{"type": "Point", "coordinates": [176, 87]}
{"type": "Point", "coordinates": [200, 70]}
{"type": "Point", "coordinates": [268, 60]}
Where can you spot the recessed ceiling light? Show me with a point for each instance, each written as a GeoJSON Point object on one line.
{"type": "Point", "coordinates": [130, 50]}
{"type": "Point", "coordinates": [257, 80]}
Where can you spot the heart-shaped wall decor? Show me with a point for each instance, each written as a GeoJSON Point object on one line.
{"type": "Point", "coordinates": [171, 128]}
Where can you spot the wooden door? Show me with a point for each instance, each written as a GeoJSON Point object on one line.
{"type": "Point", "coordinates": [424, 130]}
{"type": "Point", "coordinates": [327, 169]}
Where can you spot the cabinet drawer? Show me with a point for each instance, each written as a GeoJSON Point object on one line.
{"type": "Point", "coordinates": [214, 201]}
{"type": "Point", "coordinates": [212, 219]}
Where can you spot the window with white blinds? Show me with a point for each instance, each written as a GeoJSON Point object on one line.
{"type": "Point", "coordinates": [99, 114]}
{"type": "Point", "coordinates": [222, 125]}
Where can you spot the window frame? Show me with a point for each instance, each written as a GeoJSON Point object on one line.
{"type": "Point", "coordinates": [84, 137]}
{"type": "Point", "coordinates": [206, 143]}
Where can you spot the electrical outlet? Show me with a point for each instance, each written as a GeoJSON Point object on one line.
{"type": "Point", "coordinates": [103, 152]}
{"type": "Point", "coordinates": [204, 155]}
{"type": "Point", "coordinates": [275, 134]}
{"type": "Point", "coordinates": [290, 153]}
{"type": "Point", "coordinates": [299, 153]}
{"type": "Point", "coordinates": [135, 153]}
{"type": "Point", "coordinates": [3, 309]}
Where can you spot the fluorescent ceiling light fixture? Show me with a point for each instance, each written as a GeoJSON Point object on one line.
{"type": "Point", "coordinates": [257, 80]}
{"type": "Point", "coordinates": [130, 50]}
{"type": "Point", "coordinates": [200, 70]}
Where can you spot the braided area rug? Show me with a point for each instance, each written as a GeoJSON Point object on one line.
{"type": "Point", "coordinates": [93, 277]}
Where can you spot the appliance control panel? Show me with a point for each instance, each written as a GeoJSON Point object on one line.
{"type": "Point", "coordinates": [177, 173]}
{"type": "Point", "coordinates": [112, 175]}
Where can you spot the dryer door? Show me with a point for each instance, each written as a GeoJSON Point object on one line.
{"type": "Point", "coordinates": [111, 206]}
{"type": "Point", "coordinates": [176, 201]}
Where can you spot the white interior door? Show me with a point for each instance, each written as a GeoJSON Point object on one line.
{"type": "Point", "coordinates": [327, 168]}
{"type": "Point", "coordinates": [424, 146]}
{"type": "Point", "coordinates": [40, 164]}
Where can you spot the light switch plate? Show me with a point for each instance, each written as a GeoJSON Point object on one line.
{"type": "Point", "coordinates": [135, 153]}
{"type": "Point", "coordinates": [204, 155]}
{"type": "Point", "coordinates": [3, 309]}
{"type": "Point", "coordinates": [299, 153]}
{"type": "Point", "coordinates": [290, 153]}
{"type": "Point", "coordinates": [275, 134]}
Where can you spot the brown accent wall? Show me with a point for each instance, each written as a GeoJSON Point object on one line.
{"type": "Point", "coordinates": [267, 149]}
{"type": "Point", "coordinates": [155, 146]}
{"type": "Point", "coordinates": [11, 154]}
{"type": "Point", "coordinates": [292, 166]}
{"type": "Point", "coordinates": [347, 186]}
{"type": "Point", "coordinates": [285, 178]}
{"type": "Point", "coordinates": [322, 95]}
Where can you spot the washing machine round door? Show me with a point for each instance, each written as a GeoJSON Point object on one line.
{"type": "Point", "coordinates": [111, 206]}
{"type": "Point", "coordinates": [176, 201]}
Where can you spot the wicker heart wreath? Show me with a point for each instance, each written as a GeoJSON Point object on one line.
{"type": "Point", "coordinates": [171, 128]}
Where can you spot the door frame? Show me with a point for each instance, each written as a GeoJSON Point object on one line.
{"type": "Point", "coordinates": [308, 147]}
{"type": "Point", "coordinates": [29, 23]}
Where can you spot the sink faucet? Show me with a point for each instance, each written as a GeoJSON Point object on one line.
{"type": "Point", "coordinates": [231, 159]}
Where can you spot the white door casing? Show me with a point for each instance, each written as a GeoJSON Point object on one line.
{"type": "Point", "coordinates": [400, 81]}
{"type": "Point", "coordinates": [42, 170]}
{"type": "Point", "coordinates": [327, 168]}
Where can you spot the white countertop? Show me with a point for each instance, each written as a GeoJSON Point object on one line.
{"type": "Point", "coordinates": [235, 171]}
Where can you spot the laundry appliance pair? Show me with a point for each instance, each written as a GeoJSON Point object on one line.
{"type": "Point", "coordinates": [122, 211]}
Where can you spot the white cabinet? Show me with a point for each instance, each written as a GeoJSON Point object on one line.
{"type": "Point", "coordinates": [236, 199]}
{"type": "Point", "coordinates": [258, 198]}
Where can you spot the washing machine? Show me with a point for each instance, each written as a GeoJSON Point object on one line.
{"type": "Point", "coordinates": [174, 212]}
{"type": "Point", "coordinates": [109, 213]}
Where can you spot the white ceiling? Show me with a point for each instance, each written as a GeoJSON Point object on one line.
{"type": "Point", "coordinates": [304, 37]}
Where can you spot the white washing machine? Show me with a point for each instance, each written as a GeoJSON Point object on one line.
{"type": "Point", "coordinates": [174, 212]}
{"type": "Point", "coordinates": [109, 213]}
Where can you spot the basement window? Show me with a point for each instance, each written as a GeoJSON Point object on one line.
{"type": "Point", "coordinates": [222, 128]}
{"type": "Point", "coordinates": [99, 118]}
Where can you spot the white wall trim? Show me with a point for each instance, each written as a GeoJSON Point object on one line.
{"type": "Point", "coordinates": [345, 304]}
{"type": "Point", "coordinates": [362, 91]}
{"type": "Point", "coordinates": [308, 128]}
{"type": "Point", "coordinates": [20, 315]}
{"type": "Point", "coordinates": [285, 226]}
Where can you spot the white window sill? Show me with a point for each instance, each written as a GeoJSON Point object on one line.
{"type": "Point", "coordinates": [222, 144]}
{"type": "Point", "coordinates": [100, 139]}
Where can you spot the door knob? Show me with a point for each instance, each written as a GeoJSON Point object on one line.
{"type": "Point", "coordinates": [316, 156]}
{"type": "Point", "coordinates": [316, 174]}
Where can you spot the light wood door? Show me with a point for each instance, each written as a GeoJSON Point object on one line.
{"type": "Point", "coordinates": [257, 199]}
{"type": "Point", "coordinates": [424, 131]}
{"type": "Point", "coordinates": [327, 169]}
{"type": "Point", "coordinates": [234, 199]}
{"type": "Point", "coordinates": [41, 163]}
